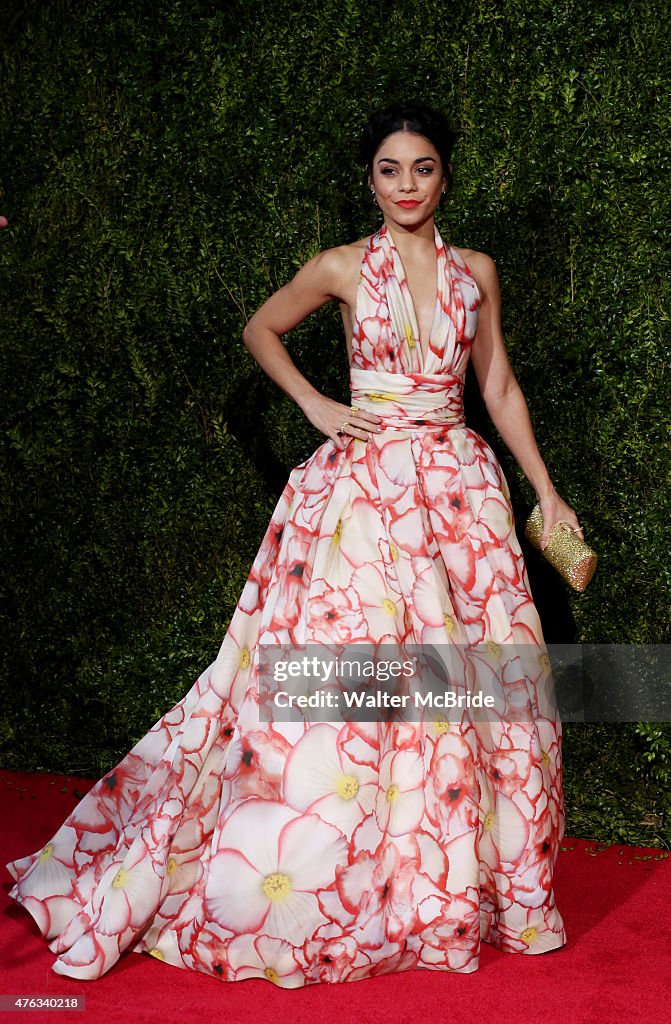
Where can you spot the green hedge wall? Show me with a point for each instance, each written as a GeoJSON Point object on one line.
{"type": "Point", "coordinates": [165, 166]}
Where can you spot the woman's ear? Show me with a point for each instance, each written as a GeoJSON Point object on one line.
{"type": "Point", "coordinates": [446, 179]}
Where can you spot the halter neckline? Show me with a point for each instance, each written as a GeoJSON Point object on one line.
{"type": "Point", "coordinates": [401, 274]}
{"type": "Point", "coordinates": [385, 331]}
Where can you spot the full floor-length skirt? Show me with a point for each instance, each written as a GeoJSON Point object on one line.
{"type": "Point", "coordinates": [305, 851]}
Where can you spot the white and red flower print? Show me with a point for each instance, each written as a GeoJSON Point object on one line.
{"type": "Point", "coordinates": [304, 852]}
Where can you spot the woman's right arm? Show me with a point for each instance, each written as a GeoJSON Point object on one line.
{"type": "Point", "coordinates": [317, 282]}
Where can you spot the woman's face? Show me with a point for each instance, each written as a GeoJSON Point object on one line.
{"type": "Point", "coordinates": [407, 170]}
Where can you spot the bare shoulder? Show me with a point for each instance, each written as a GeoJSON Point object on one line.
{"type": "Point", "coordinates": [344, 256]}
{"type": "Point", "coordinates": [483, 269]}
{"type": "Point", "coordinates": [339, 268]}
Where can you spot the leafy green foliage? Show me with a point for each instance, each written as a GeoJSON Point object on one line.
{"type": "Point", "coordinates": [166, 166]}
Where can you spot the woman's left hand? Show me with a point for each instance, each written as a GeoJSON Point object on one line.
{"type": "Point", "coordinates": [555, 510]}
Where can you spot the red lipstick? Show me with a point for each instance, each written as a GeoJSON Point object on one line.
{"type": "Point", "coordinates": [408, 203]}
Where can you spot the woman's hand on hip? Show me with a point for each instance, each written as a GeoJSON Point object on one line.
{"type": "Point", "coordinates": [341, 422]}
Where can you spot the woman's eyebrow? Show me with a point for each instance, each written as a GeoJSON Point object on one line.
{"type": "Point", "coordinates": [419, 160]}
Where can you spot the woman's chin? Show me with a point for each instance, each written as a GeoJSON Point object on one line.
{"type": "Point", "coordinates": [409, 217]}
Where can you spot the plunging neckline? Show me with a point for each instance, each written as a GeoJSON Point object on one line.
{"type": "Point", "coordinates": [410, 302]}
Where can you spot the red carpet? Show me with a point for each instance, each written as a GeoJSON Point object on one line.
{"type": "Point", "coordinates": [616, 968]}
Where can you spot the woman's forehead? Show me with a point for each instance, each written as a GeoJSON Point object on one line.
{"type": "Point", "coordinates": [406, 143]}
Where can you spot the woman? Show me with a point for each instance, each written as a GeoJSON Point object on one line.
{"type": "Point", "coordinates": [304, 851]}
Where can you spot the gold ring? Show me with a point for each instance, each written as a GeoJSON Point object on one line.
{"type": "Point", "coordinates": [342, 429]}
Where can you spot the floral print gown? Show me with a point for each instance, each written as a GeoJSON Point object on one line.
{"type": "Point", "coordinates": [335, 851]}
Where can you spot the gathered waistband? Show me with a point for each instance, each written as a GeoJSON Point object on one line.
{"type": "Point", "coordinates": [410, 400]}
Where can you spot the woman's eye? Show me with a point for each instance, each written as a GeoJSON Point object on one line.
{"type": "Point", "coordinates": [388, 171]}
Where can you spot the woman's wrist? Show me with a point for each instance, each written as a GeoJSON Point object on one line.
{"type": "Point", "coordinates": [546, 491]}
{"type": "Point", "coordinates": [307, 398]}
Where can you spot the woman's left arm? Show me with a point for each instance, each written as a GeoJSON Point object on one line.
{"type": "Point", "coordinates": [505, 401]}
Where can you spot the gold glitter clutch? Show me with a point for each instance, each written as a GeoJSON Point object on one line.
{"type": "Point", "coordinates": [566, 551]}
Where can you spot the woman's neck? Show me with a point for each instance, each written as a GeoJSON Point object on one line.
{"type": "Point", "coordinates": [412, 239]}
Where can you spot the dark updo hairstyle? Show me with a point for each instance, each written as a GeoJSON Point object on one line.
{"type": "Point", "coordinates": [408, 116]}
